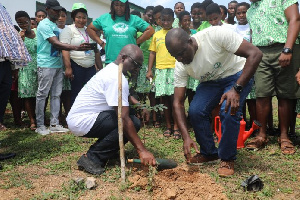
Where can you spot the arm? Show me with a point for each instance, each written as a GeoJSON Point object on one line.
{"type": "Point", "coordinates": [152, 57]}
{"type": "Point", "coordinates": [63, 46]}
{"type": "Point", "coordinates": [293, 19]}
{"type": "Point", "coordinates": [178, 105]}
{"type": "Point", "coordinates": [146, 35]}
{"type": "Point", "coordinates": [253, 57]}
{"type": "Point", "coordinates": [145, 112]}
{"type": "Point", "coordinates": [67, 64]}
{"type": "Point", "coordinates": [92, 31]}
{"type": "Point", "coordinates": [129, 130]}
{"type": "Point", "coordinates": [98, 61]}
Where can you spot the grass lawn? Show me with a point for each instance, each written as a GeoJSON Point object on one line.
{"type": "Point", "coordinates": [45, 166]}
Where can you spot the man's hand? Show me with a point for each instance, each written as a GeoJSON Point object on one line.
{"type": "Point", "coordinates": [69, 73]}
{"type": "Point", "coordinates": [187, 144]}
{"type": "Point", "coordinates": [233, 99]}
{"type": "Point", "coordinates": [285, 59]}
{"type": "Point", "coordinates": [147, 158]}
{"type": "Point", "coordinates": [84, 47]}
{"type": "Point", "coordinates": [145, 115]}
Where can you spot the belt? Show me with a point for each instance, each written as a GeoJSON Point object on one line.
{"type": "Point", "coordinates": [272, 45]}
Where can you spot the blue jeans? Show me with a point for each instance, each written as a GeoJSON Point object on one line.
{"type": "Point", "coordinates": [5, 86]}
{"type": "Point", "coordinates": [207, 97]}
{"type": "Point", "coordinates": [49, 80]}
{"type": "Point", "coordinates": [81, 76]}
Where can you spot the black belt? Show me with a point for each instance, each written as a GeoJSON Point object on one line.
{"type": "Point", "coordinates": [272, 45]}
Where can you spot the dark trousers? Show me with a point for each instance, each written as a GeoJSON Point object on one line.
{"type": "Point", "coordinates": [5, 86]}
{"type": "Point", "coordinates": [81, 77]}
{"type": "Point", "coordinates": [106, 130]}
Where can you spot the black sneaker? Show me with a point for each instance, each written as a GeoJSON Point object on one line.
{"type": "Point", "coordinates": [84, 163]}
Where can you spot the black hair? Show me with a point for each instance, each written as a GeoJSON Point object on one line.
{"type": "Point", "coordinates": [74, 12]}
{"type": "Point", "coordinates": [157, 9]}
{"type": "Point", "coordinates": [233, 2]}
{"type": "Point", "coordinates": [205, 3]}
{"type": "Point", "coordinates": [135, 12]}
{"type": "Point", "coordinates": [21, 13]}
{"type": "Point", "coordinates": [247, 5]}
{"type": "Point", "coordinates": [183, 13]}
{"type": "Point", "coordinates": [148, 8]}
{"type": "Point", "coordinates": [32, 18]}
{"type": "Point", "coordinates": [113, 13]}
{"type": "Point", "coordinates": [17, 28]}
{"type": "Point", "coordinates": [224, 9]}
{"type": "Point", "coordinates": [178, 3]}
{"type": "Point", "coordinates": [64, 10]}
{"type": "Point", "coordinates": [196, 5]}
{"type": "Point", "coordinates": [167, 11]}
{"type": "Point", "coordinates": [213, 8]}
{"type": "Point", "coordinates": [40, 10]}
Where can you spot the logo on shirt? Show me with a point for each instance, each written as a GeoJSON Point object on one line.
{"type": "Point", "coordinates": [217, 65]}
{"type": "Point", "coordinates": [120, 27]}
{"type": "Point", "coordinates": [273, 4]}
{"type": "Point", "coordinates": [279, 20]}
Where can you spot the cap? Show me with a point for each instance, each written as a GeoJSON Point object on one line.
{"type": "Point", "coordinates": [123, 1]}
{"type": "Point", "coordinates": [53, 4]}
{"type": "Point", "coordinates": [78, 6]}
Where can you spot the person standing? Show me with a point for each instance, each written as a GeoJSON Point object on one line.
{"type": "Point", "coordinates": [50, 74]}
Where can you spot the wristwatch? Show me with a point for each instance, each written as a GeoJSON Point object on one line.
{"type": "Point", "coordinates": [287, 50]}
{"type": "Point", "coordinates": [238, 88]}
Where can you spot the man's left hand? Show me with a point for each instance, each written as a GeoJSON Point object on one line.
{"type": "Point", "coordinates": [232, 99]}
{"type": "Point", "coordinates": [285, 59]}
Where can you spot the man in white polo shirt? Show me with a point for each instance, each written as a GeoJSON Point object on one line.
{"type": "Point", "coordinates": [213, 56]}
{"type": "Point", "coordinates": [94, 113]}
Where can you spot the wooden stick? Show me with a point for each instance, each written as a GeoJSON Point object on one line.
{"type": "Point", "coordinates": [120, 123]}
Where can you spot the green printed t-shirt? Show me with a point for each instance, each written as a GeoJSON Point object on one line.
{"type": "Point", "coordinates": [119, 33]}
{"type": "Point", "coordinates": [47, 55]}
{"type": "Point", "coordinates": [204, 25]}
{"type": "Point", "coordinates": [268, 22]}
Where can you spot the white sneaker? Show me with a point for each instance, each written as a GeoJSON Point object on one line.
{"type": "Point", "coordinates": [58, 128]}
{"type": "Point", "coordinates": [42, 130]}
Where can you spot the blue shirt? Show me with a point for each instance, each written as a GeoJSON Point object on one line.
{"type": "Point", "coordinates": [47, 55]}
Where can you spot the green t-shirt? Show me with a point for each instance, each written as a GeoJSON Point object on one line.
{"type": "Point", "coordinates": [204, 25]}
{"type": "Point", "coordinates": [176, 23]}
{"type": "Point", "coordinates": [47, 55]}
{"type": "Point", "coordinates": [268, 22]}
{"type": "Point", "coordinates": [118, 33]}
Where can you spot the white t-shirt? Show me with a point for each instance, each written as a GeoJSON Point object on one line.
{"type": "Point", "coordinates": [214, 58]}
{"type": "Point", "coordinates": [76, 36]}
{"type": "Point", "coordinates": [98, 95]}
{"type": "Point", "coordinates": [243, 30]}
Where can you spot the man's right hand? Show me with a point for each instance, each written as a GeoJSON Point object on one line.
{"type": "Point", "coordinates": [84, 47]}
{"type": "Point", "coordinates": [69, 73]}
{"type": "Point", "coordinates": [187, 144]}
{"type": "Point", "coordinates": [147, 158]}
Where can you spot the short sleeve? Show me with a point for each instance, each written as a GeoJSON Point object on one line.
{"type": "Point", "coordinates": [66, 35]}
{"type": "Point", "coordinates": [152, 46]}
{"type": "Point", "coordinates": [98, 23]}
{"type": "Point", "coordinates": [46, 31]}
{"type": "Point", "coordinates": [288, 3]}
{"type": "Point", "coordinates": [180, 75]}
{"type": "Point", "coordinates": [111, 93]}
{"type": "Point", "coordinates": [140, 24]}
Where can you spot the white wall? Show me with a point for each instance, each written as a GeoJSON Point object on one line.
{"type": "Point", "coordinates": [95, 7]}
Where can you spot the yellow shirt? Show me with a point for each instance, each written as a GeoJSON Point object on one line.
{"type": "Point", "coordinates": [164, 59]}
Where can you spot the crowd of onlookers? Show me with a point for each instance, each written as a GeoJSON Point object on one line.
{"type": "Point", "coordinates": [65, 57]}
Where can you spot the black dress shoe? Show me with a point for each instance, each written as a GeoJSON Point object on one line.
{"type": "Point", "coordinates": [4, 156]}
{"type": "Point", "coordinates": [84, 163]}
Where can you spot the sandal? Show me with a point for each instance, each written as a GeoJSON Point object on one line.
{"type": "Point", "coordinates": [177, 134]}
{"type": "Point", "coordinates": [156, 124]}
{"type": "Point", "coordinates": [257, 143]}
{"type": "Point", "coordinates": [168, 133]}
{"type": "Point", "coordinates": [32, 127]}
{"type": "Point", "coordinates": [286, 146]}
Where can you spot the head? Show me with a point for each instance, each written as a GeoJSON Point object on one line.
{"type": "Point", "coordinates": [33, 22]}
{"type": "Point", "coordinates": [61, 22]}
{"type": "Point", "coordinates": [137, 13]}
{"type": "Point", "coordinates": [53, 9]}
{"type": "Point", "coordinates": [184, 20]}
{"type": "Point", "coordinates": [40, 15]}
{"type": "Point", "coordinates": [157, 14]}
{"type": "Point", "coordinates": [23, 20]}
{"type": "Point", "coordinates": [254, 1]}
{"type": "Point", "coordinates": [79, 15]}
{"type": "Point", "coordinates": [232, 8]}
{"type": "Point", "coordinates": [178, 8]}
{"type": "Point", "coordinates": [132, 58]}
{"type": "Point", "coordinates": [167, 18]}
{"type": "Point", "coordinates": [213, 14]}
{"type": "Point", "coordinates": [120, 8]}
{"type": "Point", "coordinates": [198, 12]}
{"type": "Point", "coordinates": [241, 10]}
{"type": "Point", "coordinates": [148, 14]}
{"type": "Point", "coordinates": [223, 12]}
{"type": "Point", "coordinates": [177, 37]}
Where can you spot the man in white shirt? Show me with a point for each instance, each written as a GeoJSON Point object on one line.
{"type": "Point", "coordinates": [94, 113]}
{"type": "Point", "coordinates": [213, 57]}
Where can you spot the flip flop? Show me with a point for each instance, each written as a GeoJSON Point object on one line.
{"type": "Point", "coordinates": [168, 133]}
{"type": "Point", "coordinates": [257, 143]}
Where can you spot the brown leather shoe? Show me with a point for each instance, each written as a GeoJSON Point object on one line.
{"type": "Point", "coordinates": [199, 159]}
{"type": "Point", "coordinates": [226, 168]}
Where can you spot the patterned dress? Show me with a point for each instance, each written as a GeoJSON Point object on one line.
{"type": "Point", "coordinates": [28, 83]}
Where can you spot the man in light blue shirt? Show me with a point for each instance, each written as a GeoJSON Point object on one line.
{"type": "Point", "coordinates": [50, 73]}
